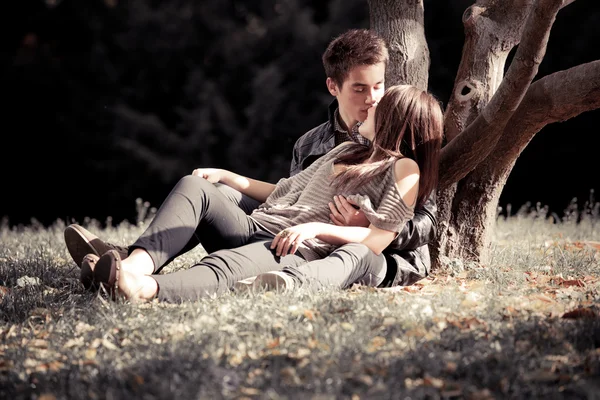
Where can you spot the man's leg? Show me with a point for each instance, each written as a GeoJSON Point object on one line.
{"type": "Point", "coordinates": [246, 203]}
{"type": "Point", "coordinates": [349, 264]}
{"type": "Point", "coordinates": [217, 272]}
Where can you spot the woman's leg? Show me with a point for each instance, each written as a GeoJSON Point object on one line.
{"type": "Point", "coordinates": [194, 212]}
{"type": "Point", "coordinates": [215, 274]}
{"type": "Point", "coordinates": [349, 264]}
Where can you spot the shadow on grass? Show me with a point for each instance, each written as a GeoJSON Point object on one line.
{"type": "Point", "coordinates": [549, 359]}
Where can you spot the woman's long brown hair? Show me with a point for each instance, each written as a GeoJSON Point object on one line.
{"type": "Point", "coordinates": [409, 122]}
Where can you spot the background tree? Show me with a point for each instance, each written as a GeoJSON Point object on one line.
{"type": "Point", "coordinates": [109, 101]}
{"type": "Point", "coordinates": [491, 115]}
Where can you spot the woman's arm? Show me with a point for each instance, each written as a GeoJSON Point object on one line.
{"type": "Point", "coordinates": [288, 240]}
{"type": "Point", "coordinates": [256, 189]}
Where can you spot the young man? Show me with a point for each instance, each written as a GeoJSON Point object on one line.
{"type": "Point", "coordinates": [355, 64]}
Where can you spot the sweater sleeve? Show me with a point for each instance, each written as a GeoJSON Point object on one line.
{"type": "Point", "coordinates": [392, 213]}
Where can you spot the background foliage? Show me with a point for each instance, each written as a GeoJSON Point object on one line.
{"type": "Point", "coordinates": [110, 101]}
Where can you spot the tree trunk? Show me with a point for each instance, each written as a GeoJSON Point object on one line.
{"type": "Point", "coordinates": [401, 24]}
{"type": "Point", "coordinates": [479, 75]}
{"type": "Point", "coordinates": [490, 117]}
{"type": "Point", "coordinates": [554, 98]}
{"type": "Point", "coordinates": [481, 105]}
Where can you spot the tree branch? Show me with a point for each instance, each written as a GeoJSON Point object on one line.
{"type": "Point", "coordinates": [473, 145]}
{"type": "Point", "coordinates": [492, 30]}
{"type": "Point", "coordinates": [553, 98]}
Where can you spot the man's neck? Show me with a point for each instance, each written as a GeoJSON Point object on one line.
{"type": "Point", "coordinates": [345, 122]}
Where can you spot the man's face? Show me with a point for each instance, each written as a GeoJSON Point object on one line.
{"type": "Point", "coordinates": [363, 88]}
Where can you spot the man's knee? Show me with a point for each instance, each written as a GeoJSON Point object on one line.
{"type": "Point", "coordinates": [359, 253]}
{"type": "Point", "coordinates": [194, 185]}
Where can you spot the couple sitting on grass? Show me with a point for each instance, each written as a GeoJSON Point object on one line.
{"type": "Point", "coordinates": [358, 207]}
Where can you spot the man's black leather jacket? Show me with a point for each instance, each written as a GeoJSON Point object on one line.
{"type": "Point", "coordinates": [409, 251]}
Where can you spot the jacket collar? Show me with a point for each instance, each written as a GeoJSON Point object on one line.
{"type": "Point", "coordinates": [328, 139]}
{"type": "Point", "coordinates": [331, 111]}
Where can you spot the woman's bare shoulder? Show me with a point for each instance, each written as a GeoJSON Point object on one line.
{"type": "Point", "coordinates": [405, 167]}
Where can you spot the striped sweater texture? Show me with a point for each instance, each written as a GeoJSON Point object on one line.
{"type": "Point", "coordinates": [305, 197]}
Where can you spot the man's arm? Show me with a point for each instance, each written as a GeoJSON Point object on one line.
{"type": "Point", "coordinates": [417, 232]}
{"type": "Point", "coordinates": [421, 229]}
{"type": "Point", "coordinates": [295, 165]}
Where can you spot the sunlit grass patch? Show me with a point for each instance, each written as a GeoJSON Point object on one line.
{"type": "Point", "coordinates": [526, 326]}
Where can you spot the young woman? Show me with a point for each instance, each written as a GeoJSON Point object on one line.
{"type": "Point", "coordinates": [291, 228]}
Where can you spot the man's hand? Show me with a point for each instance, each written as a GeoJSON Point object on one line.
{"type": "Point", "coordinates": [344, 213]}
{"type": "Point", "coordinates": [287, 241]}
{"type": "Point", "coordinates": [213, 175]}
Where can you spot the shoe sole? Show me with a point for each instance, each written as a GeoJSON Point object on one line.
{"type": "Point", "coordinates": [107, 271]}
{"type": "Point", "coordinates": [77, 245]}
{"type": "Point", "coordinates": [86, 276]}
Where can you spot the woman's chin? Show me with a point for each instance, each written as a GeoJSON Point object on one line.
{"type": "Point", "coordinates": [366, 135]}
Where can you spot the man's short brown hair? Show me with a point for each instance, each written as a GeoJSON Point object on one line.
{"type": "Point", "coordinates": [353, 48]}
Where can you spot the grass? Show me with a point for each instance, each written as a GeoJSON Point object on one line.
{"type": "Point", "coordinates": [526, 326]}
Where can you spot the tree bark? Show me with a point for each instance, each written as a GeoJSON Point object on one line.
{"type": "Point", "coordinates": [401, 24]}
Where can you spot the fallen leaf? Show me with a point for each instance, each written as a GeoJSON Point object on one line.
{"type": "Point", "coordinates": [309, 315]}
{"type": "Point", "coordinates": [484, 394]}
{"type": "Point", "coordinates": [581, 312]}
{"type": "Point", "coordinates": [433, 382]}
{"type": "Point", "coordinates": [347, 326]}
{"type": "Point", "coordinates": [5, 365]}
{"type": "Point", "coordinates": [572, 282]}
{"type": "Point", "coordinates": [376, 344]}
{"type": "Point", "coordinates": [25, 281]}
{"type": "Point", "coordinates": [90, 353]}
{"type": "Point", "coordinates": [302, 352]}
{"type": "Point", "coordinates": [273, 343]}
{"type": "Point", "coordinates": [364, 379]}
{"type": "Point", "coordinates": [451, 367]}
{"type": "Point", "coordinates": [53, 366]}
{"type": "Point", "coordinates": [108, 344]}
{"type": "Point", "coordinates": [583, 244]}
{"type": "Point", "coordinates": [75, 342]}
{"type": "Point", "coordinates": [541, 375]}
{"type": "Point", "coordinates": [413, 383]}
{"type": "Point", "coordinates": [249, 391]}
{"type": "Point", "coordinates": [38, 343]}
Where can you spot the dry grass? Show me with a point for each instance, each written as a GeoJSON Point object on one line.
{"type": "Point", "coordinates": [527, 326]}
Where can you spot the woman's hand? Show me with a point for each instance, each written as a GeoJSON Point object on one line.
{"type": "Point", "coordinates": [287, 241]}
{"type": "Point", "coordinates": [344, 213]}
{"type": "Point", "coordinates": [213, 175]}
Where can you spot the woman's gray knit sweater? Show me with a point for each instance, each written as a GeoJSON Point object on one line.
{"type": "Point", "coordinates": [305, 197]}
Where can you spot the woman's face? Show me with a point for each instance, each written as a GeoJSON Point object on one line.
{"type": "Point", "coordinates": [367, 129]}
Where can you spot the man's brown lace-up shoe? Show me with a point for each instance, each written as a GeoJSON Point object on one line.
{"type": "Point", "coordinates": [80, 242]}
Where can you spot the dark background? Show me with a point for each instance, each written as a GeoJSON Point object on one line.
{"type": "Point", "coordinates": [108, 101]}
